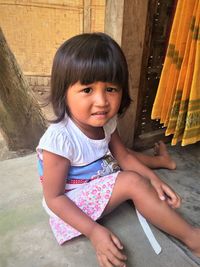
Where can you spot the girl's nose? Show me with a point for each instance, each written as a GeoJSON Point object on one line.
{"type": "Point", "coordinates": [101, 99]}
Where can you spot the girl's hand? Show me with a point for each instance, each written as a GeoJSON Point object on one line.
{"type": "Point", "coordinates": [108, 247]}
{"type": "Point", "coordinates": [166, 193]}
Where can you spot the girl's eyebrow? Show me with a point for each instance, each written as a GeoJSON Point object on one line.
{"type": "Point", "coordinates": [87, 84]}
{"type": "Point", "coordinates": [113, 85]}
{"type": "Point", "coordinates": [110, 84]}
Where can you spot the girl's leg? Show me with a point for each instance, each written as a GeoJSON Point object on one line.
{"type": "Point", "coordinates": [161, 158]}
{"type": "Point", "coordinates": [130, 185]}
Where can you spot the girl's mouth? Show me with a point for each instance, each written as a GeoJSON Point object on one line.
{"type": "Point", "coordinates": [100, 114]}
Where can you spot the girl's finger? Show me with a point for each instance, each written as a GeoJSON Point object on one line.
{"type": "Point", "coordinates": [160, 193]}
{"type": "Point", "coordinates": [114, 260]}
{"type": "Point", "coordinates": [116, 241]}
{"type": "Point", "coordinates": [174, 203]}
{"type": "Point", "coordinates": [105, 261]}
{"type": "Point", "coordinates": [115, 249]}
{"type": "Point", "coordinates": [100, 261]}
{"type": "Point", "coordinates": [169, 192]}
{"type": "Point", "coordinates": [173, 199]}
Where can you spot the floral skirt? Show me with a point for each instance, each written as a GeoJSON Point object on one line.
{"type": "Point", "coordinates": [91, 198]}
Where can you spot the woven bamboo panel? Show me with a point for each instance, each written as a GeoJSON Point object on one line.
{"type": "Point", "coordinates": [35, 29]}
{"type": "Point", "coordinates": [97, 17]}
{"type": "Point", "coordinates": [98, 2]}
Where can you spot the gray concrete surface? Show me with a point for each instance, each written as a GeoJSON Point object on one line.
{"type": "Point", "coordinates": [26, 239]}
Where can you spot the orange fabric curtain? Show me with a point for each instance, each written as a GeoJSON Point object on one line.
{"type": "Point", "coordinates": [177, 102]}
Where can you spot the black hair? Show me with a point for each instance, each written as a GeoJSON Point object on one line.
{"type": "Point", "coordinates": [87, 58]}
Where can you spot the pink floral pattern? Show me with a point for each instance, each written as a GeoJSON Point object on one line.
{"type": "Point", "coordinates": [91, 198]}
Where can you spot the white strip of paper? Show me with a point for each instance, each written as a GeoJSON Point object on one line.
{"type": "Point", "coordinates": [146, 228]}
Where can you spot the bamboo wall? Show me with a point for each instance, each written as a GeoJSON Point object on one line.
{"type": "Point", "coordinates": [35, 29]}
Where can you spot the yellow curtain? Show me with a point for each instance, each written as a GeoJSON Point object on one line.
{"type": "Point", "coordinates": [177, 102]}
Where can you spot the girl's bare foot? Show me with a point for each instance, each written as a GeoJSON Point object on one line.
{"type": "Point", "coordinates": [160, 150]}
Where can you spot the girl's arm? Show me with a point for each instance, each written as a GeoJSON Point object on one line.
{"type": "Point", "coordinates": [55, 169]}
{"type": "Point", "coordinates": [127, 161]}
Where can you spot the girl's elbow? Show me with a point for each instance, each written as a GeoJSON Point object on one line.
{"type": "Point", "coordinates": [52, 199]}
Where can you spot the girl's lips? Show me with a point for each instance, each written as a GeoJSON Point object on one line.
{"type": "Point", "coordinates": [101, 114]}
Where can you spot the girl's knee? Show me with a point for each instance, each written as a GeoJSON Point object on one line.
{"type": "Point", "coordinates": [133, 180]}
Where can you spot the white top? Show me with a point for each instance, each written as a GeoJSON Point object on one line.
{"type": "Point", "coordinates": [67, 140]}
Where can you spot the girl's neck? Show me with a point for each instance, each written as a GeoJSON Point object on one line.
{"type": "Point", "coordinates": [95, 133]}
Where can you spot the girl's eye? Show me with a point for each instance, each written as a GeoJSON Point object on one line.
{"type": "Point", "coordinates": [112, 89]}
{"type": "Point", "coordinates": [87, 90]}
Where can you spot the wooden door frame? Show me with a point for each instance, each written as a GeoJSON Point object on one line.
{"type": "Point", "coordinates": [126, 21]}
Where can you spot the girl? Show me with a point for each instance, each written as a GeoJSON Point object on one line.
{"type": "Point", "coordinates": [85, 169]}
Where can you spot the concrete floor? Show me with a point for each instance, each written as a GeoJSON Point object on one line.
{"type": "Point", "coordinates": [26, 239]}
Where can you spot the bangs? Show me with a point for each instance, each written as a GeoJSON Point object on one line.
{"type": "Point", "coordinates": [97, 62]}
{"type": "Point", "coordinates": [97, 69]}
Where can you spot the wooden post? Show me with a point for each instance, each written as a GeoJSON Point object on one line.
{"type": "Point", "coordinates": [87, 16]}
{"type": "Point", "coordinates": [126, 22]}
{"type": "Point", "coordinates": [114, 19]}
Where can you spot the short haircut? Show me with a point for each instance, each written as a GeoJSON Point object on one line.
{"type": "Point", "coordinates": [87, 58]}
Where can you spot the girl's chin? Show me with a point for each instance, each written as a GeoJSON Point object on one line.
{"type": "Point", "coordinates": [99, 122]}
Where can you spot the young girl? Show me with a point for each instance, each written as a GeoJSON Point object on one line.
{"type": "Point", "coordinates": [85, 169]}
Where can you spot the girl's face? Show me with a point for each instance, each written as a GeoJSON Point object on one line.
{"type": "Point", "coordinates": [94, 104]}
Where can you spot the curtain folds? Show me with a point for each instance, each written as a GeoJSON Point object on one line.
{"type": "Point", "coordinates": [177, 102]}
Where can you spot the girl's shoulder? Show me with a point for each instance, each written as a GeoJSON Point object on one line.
{"type": "Point", "coordinates": [55, 131]}
{"type": "Point", "coordinates": [55, 139]}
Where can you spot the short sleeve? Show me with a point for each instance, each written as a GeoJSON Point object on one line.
{"type": "Point", "coordinates": [111, 126]}
{"type": "Point", "coordinates": [55, 141]}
